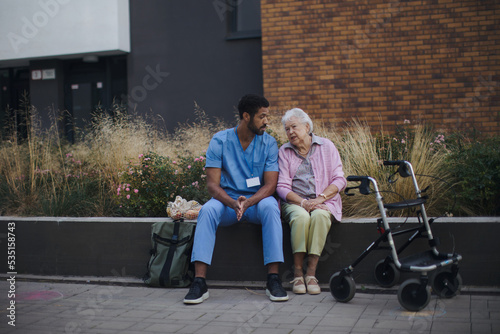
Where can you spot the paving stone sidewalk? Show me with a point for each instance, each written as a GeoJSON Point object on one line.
{"type": "Point", "coordinates": [54, 307]}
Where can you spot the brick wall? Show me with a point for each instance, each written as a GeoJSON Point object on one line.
{"type": "Point", "coordinates": [436, 61]}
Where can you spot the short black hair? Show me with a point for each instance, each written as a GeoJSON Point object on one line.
{"type": "Point", "coordinates": [251, 103]}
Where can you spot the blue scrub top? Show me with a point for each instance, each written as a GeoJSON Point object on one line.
{"type": "Point", "coordinates": [225, 152]}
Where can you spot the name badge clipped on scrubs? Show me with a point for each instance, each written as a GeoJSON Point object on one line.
{"type": "Point", "coordinates": [253, 182]}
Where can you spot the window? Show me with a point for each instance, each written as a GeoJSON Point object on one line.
{"type": "Point", "coordinates": [243, 19]}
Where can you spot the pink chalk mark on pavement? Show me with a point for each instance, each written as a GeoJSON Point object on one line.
{"type": "Point", "coordinates": [39, 295]}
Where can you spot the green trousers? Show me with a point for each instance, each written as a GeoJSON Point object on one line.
{"type": "Point", "coordinates": [308, 230]}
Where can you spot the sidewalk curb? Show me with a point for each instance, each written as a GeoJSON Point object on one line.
{"type": "Point", "coordinates": [258, 285]}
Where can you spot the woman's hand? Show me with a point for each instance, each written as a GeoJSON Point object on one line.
{"type": "Point", "coordinates": [321, 206]}
{"type": "Point", "coordinates": [307, 205]}
{"type": "Point", "coordinates": [313, 204]}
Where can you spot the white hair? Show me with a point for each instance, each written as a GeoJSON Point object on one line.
{"type": "Point", "coordinates": [300, 115]}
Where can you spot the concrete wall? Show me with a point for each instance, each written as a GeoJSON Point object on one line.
{"type": "Point", "coordinates": [103, 246]}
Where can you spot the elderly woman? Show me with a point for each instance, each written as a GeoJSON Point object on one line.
{"type": "Point", "coordinates": [310, 179]}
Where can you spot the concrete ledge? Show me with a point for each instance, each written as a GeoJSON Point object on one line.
{"type": "Point", "coordinates": [119, 247]}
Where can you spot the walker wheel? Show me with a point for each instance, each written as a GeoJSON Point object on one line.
{"type": "Point", "coordinates": [413, 295]}
{"type": "Point", "coordinates": [445, 284]}
{"type": "Point", "coordinates": [386, 274]}
{"type": "Point", "coordinates": [342, 287]}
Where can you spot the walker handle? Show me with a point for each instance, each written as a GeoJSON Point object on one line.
{"type": "Point", "coordinates": [355, 178]}
{"type": "Point", "coordinates": [364, 187]}
{"type": "Point", "coordinates": [393, 162]}
{"type": "Point", "coordinates": [402, 168]}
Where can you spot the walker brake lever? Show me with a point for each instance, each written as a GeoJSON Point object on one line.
{"type": "Point", "coordinates": [346, 190]}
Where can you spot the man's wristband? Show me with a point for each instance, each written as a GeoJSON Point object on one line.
{"type": "Point", "coordinates": [302, 203]}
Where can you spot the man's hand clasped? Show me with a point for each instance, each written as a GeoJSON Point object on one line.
{"type": "Point", "coordinates": [241, 207]}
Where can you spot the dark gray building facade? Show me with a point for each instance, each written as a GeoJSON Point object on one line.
{"type": "Point", "coordinates": [185, 52]}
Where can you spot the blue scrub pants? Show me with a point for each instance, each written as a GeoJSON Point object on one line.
{"type": "Point", "coordinates": [214, 214]}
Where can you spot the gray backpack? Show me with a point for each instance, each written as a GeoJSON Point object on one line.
{"type": "Point", "coordinates": [170, 262]}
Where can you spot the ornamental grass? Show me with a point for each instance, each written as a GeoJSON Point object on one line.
{"type": "Point", "coordinates": [363, 151]}
{"type": "Point", "coordinates": [129, 165]}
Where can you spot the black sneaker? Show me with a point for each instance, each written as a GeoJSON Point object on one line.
{"type": "Point", "coordinates": [198, 292]}
{"type": "Point", "coordinates": [274, 290]}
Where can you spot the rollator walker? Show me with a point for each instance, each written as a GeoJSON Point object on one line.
{"type": "Point", "coordinates": [414, 294]}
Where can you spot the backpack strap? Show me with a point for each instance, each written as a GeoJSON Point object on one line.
{"type": "Point", "coordinates": [165, 271]}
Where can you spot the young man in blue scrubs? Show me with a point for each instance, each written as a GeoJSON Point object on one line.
{"type": "Point", "coordinates": [242, 174]}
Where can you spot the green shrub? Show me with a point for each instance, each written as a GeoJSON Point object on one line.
{"type": "Point", "coordinates": [147, 186]}
{"type": "Point", "coordinates": [475, 165]}
{"type": "Point", "coordinates": [192, 179]}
